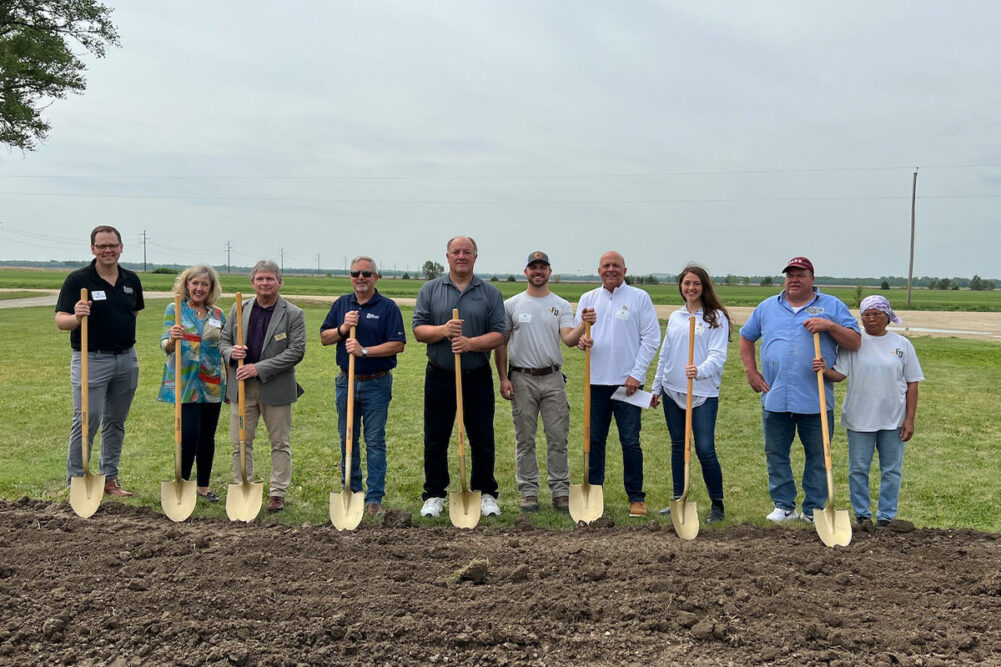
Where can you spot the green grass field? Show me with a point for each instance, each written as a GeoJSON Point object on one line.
{"type": "Point", "coordinates": [950, 471]}
{"type": "Point", "coordinates": [666, 294]}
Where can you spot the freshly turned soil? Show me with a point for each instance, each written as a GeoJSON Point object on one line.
{"type": "Point", "coordinates": [128, 587]}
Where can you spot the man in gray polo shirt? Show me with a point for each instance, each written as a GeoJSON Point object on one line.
{"type": "Point", "coordinates": [479, 329]}
{"type": "Point", "coordinates": [536, 321]}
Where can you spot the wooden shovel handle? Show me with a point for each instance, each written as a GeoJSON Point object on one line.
{"type": "Point", "coordinates": [587, 404]}
{"type": "Point", "coordinates": [349, 427]}
{"type": "Point", "coordinates": [688, 399]}
{"type": "Point", "coordinates": [84, 388]}
{"type": "Point", "coordinates": [241, 389]}
{"type": "Point", "coordinates": [823, 404]}
{"type": "Point", "coordinates": [458, 411]}
{"type": "Point", "coordinates": [178, 393]}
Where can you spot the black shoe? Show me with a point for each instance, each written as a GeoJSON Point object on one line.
{"type": "Point", "coordinates": [716, 512]}
{"type": "Point", "coordinates": [665, 512]}
{"type": "Point", "coordinates": [882, 523]}
{"type": "Point", "coordinates": [863, 521]}
{"type": "Point", "coordinates": [209, 496]}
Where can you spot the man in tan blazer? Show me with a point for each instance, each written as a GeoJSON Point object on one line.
{"type": "Point", "coordinates": [274, 342]}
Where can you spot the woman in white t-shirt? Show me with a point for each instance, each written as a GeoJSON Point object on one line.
{"type": "Point", "coordinates": [712, 334]}
{"type": "Point", "coordinates": [879, 407]}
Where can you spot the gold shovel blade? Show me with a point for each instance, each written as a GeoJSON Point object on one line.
{"type": "Point", "coordinates": [587, 502]}
{"type": "Point", "coordinates": [177, 498]}
{"type": "Point", "coordinates": [346, 509]}
{"type": "Point", "coordinates": [685, 517]}
{"type": "Point", "coordinates": [833, 526]}
{"type": "Point", "coordinates": [464, 508]}
{"type": "Point", "coordinates": [243, 501]}
{"type": "Point", "coordinates": [86, 493]}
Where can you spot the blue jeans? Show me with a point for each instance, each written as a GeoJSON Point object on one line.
{"type": "Point", "coordinates": [780, 429]}
{"type": "Point", "coordinates": [891, 462]}
{"type": "Point", "coordinates": [704, 432]}
{"type": "Point", "coordinates": [627, 419]}
{"type": "Point", "coordinates": [371, 410]}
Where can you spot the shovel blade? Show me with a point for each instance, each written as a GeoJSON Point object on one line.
{"type": "Point", "coordinates": [177, 498]}
{"type": "Point", "coordinates": [464, 508]}
{"type": "Point", "coordinates": [86, 493]}
{"type": "Point", "coordinates": [243, 501]}
{"type": "Point", "coordinates": [685, 517]}
{"type": "Point", "coordinates": [833, 526]}
{"type": "Point", "coordinates": [587, 502]}
{"type": "Point", "coordinates": [346, 509]}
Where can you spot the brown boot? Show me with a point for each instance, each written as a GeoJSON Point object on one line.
{"type": "Point", "coordinates": [276, 504]}
{"type": "Point", "coordinates": [113, 488]}
{"type": "Point", "coordinates": [637, 509]}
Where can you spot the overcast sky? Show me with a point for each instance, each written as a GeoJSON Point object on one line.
{"type": "Point", "coordinates": [736, 135]}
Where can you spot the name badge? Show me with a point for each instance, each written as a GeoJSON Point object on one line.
{"type": "Point", "coordinates": [622, 313]}
{"type": "Point", "coordinates": [280, 336]}
{"type": "Point", "coordinates": [815, 310]}
{"type": "Point", "coordinates": [214, 322]}
{"type": "Point", "coordinates": [525, 317]}
{"type": "Point", "coordinates": [99, 295]}
{"type": "Point", "coordinates": [700, 328]}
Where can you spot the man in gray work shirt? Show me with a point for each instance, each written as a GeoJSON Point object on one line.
{"type": "Point", "coordinates": [477, 331]}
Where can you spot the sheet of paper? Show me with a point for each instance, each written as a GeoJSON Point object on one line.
{"type": "Point", "coordinates": [639, 398]}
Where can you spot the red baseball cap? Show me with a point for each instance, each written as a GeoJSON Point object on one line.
{"type": "Point", "coordinates": [799, 263]}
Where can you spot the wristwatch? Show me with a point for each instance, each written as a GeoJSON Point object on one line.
{"type": "Point", "coordinates": [364, 352]}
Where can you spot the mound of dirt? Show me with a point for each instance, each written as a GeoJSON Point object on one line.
{"type": "Point", "coordinates": [127, 587]}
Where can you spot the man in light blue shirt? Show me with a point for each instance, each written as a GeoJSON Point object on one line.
{"type": "Point", "coordinates": [786, 324]}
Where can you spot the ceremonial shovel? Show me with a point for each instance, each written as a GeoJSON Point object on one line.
{"type": "Point", "coordinates": [685, 514]}
{"type": "Point", "coordinates": [833, 526]}
{"type": "Point", "coordinates": [587, 501]}
{"type": "Point", "coordinates": [85, 492]}
{"type": "Point", "coordinates": [177, 497]}
{"type": "Point", "coordinates": [464, 505]}
{"type": "Point", "coordinates": [346, 508]}
{"type": "Point", "coordinates": [243, 500]}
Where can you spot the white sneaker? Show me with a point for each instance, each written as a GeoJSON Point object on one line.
{"type": "Point", "coordinates": [778, 515]}
{"type": "Point", "coordinates": [432, 506]}
{"type": "Point", "coordinates": [806, 517]}
{"type": "Point", "coordinates": [488, 505]}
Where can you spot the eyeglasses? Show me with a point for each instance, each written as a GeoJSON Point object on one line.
{"type": "Point", "coordinates": [367, 274]}
{"type": "Point", "coordinates": [107, 246]}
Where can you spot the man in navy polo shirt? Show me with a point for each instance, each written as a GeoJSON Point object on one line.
{"type": "Point", "coordinates": [114, 296]}
{"type": "Point", "coordinates": [788, 384]}
{"type": "Point", "coordinates": [379, 337]}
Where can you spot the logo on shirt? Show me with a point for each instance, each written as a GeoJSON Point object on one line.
{"type": "Point", "coordinates": [815, 310]}
{"type": "Point", "coordinates": [126, 289]}
{"type": "Point", "coordinates": [555, 312]}
{"type": "Point", "coordinates": [899, 353]}
{"type": "Point", "coordinates": [371, 316]}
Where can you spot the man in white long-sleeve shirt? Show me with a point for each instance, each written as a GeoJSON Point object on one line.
{"type": "Point", "coordinates": [623, 342]}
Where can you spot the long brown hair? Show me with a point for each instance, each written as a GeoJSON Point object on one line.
{"type": "Point", "coordinates": [711, 305]}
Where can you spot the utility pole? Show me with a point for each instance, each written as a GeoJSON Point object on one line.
{"type": "Point", "coordinates": [317, 264]}
{"type": "Point", "coordinates": [910, 267]}
{"type": "Point", "coordinates": [281, 253]}
{"type": "Point", "coordinates": [144, 251]}
{"type": "Point", "coordinates": [228, 248]}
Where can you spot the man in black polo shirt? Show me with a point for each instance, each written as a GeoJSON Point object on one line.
{"type": "Point", "coordinates": [115, 295]}
{"type": "Point", "coordinates": [479, 329]}
{"type": "Point", "coordinates": [379, 337]}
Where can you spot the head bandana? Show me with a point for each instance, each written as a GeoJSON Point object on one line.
{"type": "Point", "coordinates": [877, 302]}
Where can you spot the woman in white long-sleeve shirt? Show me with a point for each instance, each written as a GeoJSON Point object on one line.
{"type": "Point", "coordinates": [712, 334]}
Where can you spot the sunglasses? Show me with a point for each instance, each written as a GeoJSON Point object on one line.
{"type": "Point", "coordinates": [367, 274]}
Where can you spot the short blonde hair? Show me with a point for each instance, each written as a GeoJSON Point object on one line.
{"type": "Point", "coordinates": [181, 283]}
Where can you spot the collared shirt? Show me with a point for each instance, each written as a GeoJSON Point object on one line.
{"type": "Point", "coordinates": [534, 323]}
{"type": "Point", "coordinates": [481, 307]}
{"type": "Point", "coordinates": [379, 321]}
{"type": "Point", "coordinates": [710, 354]}
{"type": "Point", "coordinates": [787, 350]}
{"type": "Point", "coordinates": [626, 333]}
{"type": "Point", "coordinates": [111, 326]}
{"type": "Point", "coordinates": [257, 329]}
{"type": "Point", "coordinates": [203, 379]}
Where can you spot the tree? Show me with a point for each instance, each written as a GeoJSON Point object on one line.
{"type": "Point", "coordinates": [37, 64]}
{"type": "Point", "coordinates": [746, 281]}
{"type": "Point", "coordinates": [731, 279]}
{"type": "Point", "coordinates": [510, 278]}
{"type": "Point", "coordinates": [432, 269]}
{"type": "Point", "coordinates": [885, 284]}
{"type": "Point", "coordinates": [766, 281]}
{"type": "Point", "coordinates": [406, 276]}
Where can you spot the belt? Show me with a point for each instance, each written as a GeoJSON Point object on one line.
{"type": "Point", "coordinates": [535, 371]}
{"type": "Point", "coordinates": [115, 352]}
{"type": "Point", "coordinates": [435, 365]}
{"type": "Point", "coordinates": [371, 376]}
